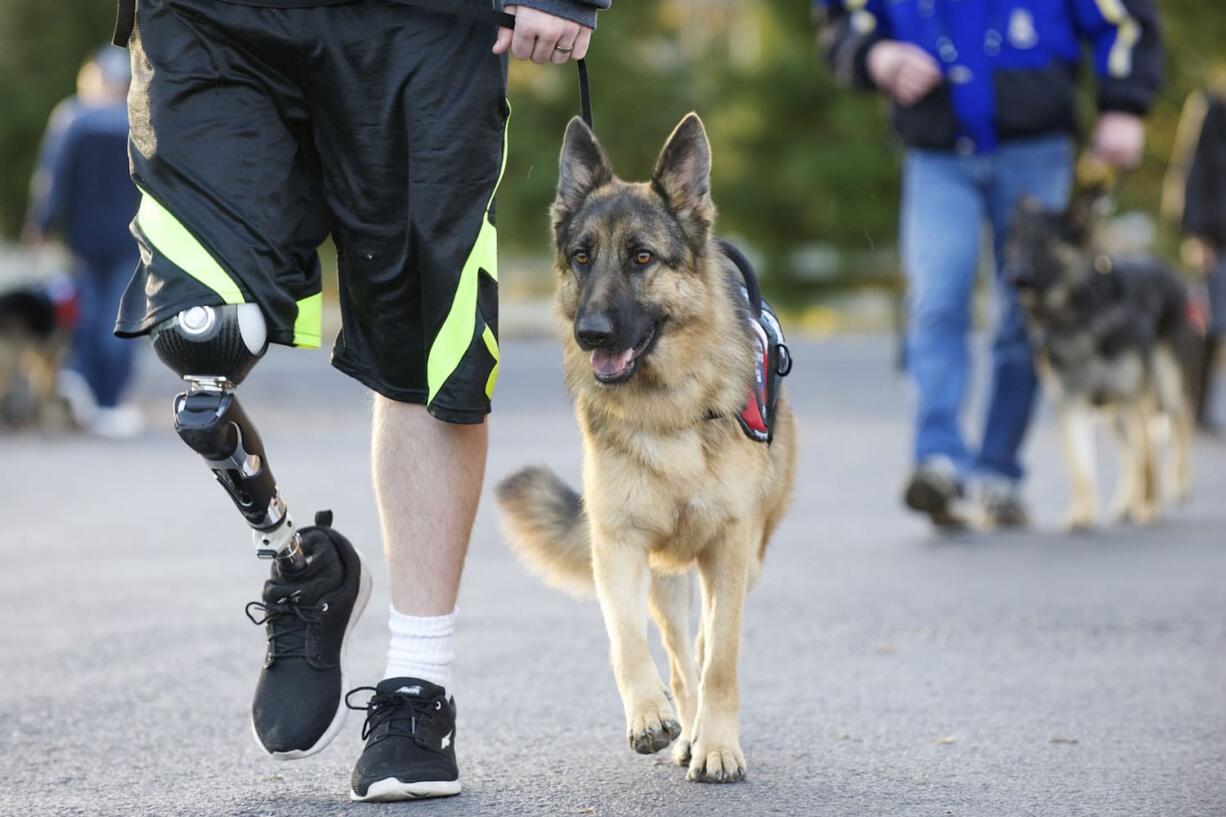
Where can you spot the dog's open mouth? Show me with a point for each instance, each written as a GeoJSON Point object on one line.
{"type": "Point", "coordinates": [612, 367]}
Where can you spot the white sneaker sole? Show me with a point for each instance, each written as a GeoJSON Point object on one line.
{"type": "Point", "coordinates": [390, 789]}
{"type": "Point", "coordinates": [342, 711]}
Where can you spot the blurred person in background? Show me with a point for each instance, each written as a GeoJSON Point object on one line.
{"type": "Point", "coordinates": [984, 97]}
{"type": "Point", "coordinates": [81, 192]}
{"type": "Point", "coordinates": [1195, 199]}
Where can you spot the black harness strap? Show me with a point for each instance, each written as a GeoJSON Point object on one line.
{"type": "Point", "coordinates": [747, 273]}
{"type": "Point", "coordinates": [778, 356]}
{"type": "Point", "coordinates": [125, 21]}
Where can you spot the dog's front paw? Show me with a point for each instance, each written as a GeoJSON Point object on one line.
{"type": "Point", "coordinates": [681, 752]}
{"type": "Point", "coordinates": [1079, 519]}
{"type": "Point", "coordinates": [1144, 514]}
{"type": "Point", "coordinates": [653, 727]}
{"type": "Point", "coordinates": [711, 763]}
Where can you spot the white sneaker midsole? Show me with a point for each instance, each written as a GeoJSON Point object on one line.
{"type": "Point", "coordinates": [392, 789]}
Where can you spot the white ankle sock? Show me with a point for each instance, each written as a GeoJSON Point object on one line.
{"type": "Point", "coordinates": [420, 647]}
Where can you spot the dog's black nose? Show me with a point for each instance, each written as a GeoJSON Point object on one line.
{"type": "Point", "coordinates": [593, 331]}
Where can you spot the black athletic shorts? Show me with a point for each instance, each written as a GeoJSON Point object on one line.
{"type": "Point", "coordinates": [259, 132]}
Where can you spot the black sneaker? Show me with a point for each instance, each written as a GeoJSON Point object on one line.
{"type": "Point", "coordinates": [410, 743]}
{"type": "Point", "coordinates": [935, 490]}
{"type": "Point", "coordinates": [299, 702]}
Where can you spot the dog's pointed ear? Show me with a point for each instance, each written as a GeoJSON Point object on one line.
{"type": "Point", "coordinates": [582, 168]}
{"type": "Point", "coordinates": [683, 176]}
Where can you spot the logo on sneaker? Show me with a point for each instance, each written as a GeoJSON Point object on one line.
{"type": "Point", "coordinates": [446, 740]}
{"type": "Point", "coordinates": [413, 690]}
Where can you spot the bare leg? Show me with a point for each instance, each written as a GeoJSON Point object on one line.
{"type": "Point", "coordinates": [671, 598]}
{"type": "Point", "coordinates": [427, 477]}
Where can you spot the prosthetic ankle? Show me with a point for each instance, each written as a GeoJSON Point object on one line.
{"type": "Point", "coordinates": [213, 349]}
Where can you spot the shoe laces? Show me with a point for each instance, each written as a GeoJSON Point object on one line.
{"type": "Point", "coordinates": [288, 621]}
{"type": "Point", "coordinates": [402, 713]}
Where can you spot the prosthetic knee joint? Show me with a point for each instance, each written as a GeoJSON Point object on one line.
{"type": "Point", "coordinates": [213, 349]}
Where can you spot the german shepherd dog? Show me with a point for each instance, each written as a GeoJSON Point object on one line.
{"type": "Point", "coordinates": [658, 357]}
{"type": "Point", "coordinates": [1110, 334]}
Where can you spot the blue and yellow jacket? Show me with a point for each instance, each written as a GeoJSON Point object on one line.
{"type": "Point", "coordinates": [1010, 66]}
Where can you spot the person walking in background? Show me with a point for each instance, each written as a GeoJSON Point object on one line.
{"type": "Point", "coordinates": [1195, 199]}
{"type": "Point", "coordinates": [984, 98]}
{"type": "Point", "coordinates": [81, 190]}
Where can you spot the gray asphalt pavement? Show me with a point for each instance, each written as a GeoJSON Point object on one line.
{"type": "Point", "coordinates": [886, 670]}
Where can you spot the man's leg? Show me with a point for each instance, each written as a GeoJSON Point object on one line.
{"type": "Point", "coordinates": [411, 137]}
{"type": "Point", "coordinates": [114, 354]}
{"type": "Point", "coordinates": [104, 359]}
{"type": "Point", "coordinates": [941, 216]}
{"type": "Point", "coordinates": [83, 353]}
{"type": "Point", "coordinates": [228, 225]}
{"type": "Point", "coordinates": [427, 477]}
{"type": "Point", "coordinates": [1042, 169]}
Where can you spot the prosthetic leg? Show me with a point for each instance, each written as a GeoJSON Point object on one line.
{"type": "Point", "coordinates": [213, 349]}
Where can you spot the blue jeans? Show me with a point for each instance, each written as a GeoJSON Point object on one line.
{"type": "Point", "coordinates": [947, 199]}
{"type": "Point", "coordinates": [104, 360]}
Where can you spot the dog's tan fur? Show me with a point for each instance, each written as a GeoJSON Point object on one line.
{"type": "Point", "coordinates": [30, 364]}
{"type": "Point", "coordinates": [666, 489]}
{"type": "Point", "coordinates": [1119, 359]}
{"type": "Point", "coordinates": [1155, 409]}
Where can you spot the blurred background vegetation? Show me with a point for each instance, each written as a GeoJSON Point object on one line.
{"type": "Point", "coordinates": [806, 174]}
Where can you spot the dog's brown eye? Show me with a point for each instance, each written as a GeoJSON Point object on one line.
{"type": "Point", "coordinates": [581, 258]}
{"type": "Point", "coordinates": [643, 258]}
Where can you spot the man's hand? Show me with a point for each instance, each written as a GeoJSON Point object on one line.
{"type": "Point", "coordinates": [543, 38]}
{"type": "Point", "coordinates": [1199, 254]}
{"type": "Point", "coordinates": [906, 72]}
{"type": "Point", "coordinates": [1119, 139]}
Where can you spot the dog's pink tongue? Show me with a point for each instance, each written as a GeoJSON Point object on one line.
{"type": "Point", "coordinates": [611, 364]}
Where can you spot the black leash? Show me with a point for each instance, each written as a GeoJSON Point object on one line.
{"type": "Point", "coordinates": [125, 21]}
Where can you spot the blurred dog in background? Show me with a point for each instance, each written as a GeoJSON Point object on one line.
{"type": "Point", "coordinates": [1112, 335]}
{"type": "Point", "coordinates": [35, 325]}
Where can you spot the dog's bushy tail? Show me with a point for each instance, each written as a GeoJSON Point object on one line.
{"type": "Point", "coordinates": [544, 521]}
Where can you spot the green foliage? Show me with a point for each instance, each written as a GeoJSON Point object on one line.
{"type": "Point", "coordinates": [42, 46]}
{"type": "Point", "coordinates": [796, 160]}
